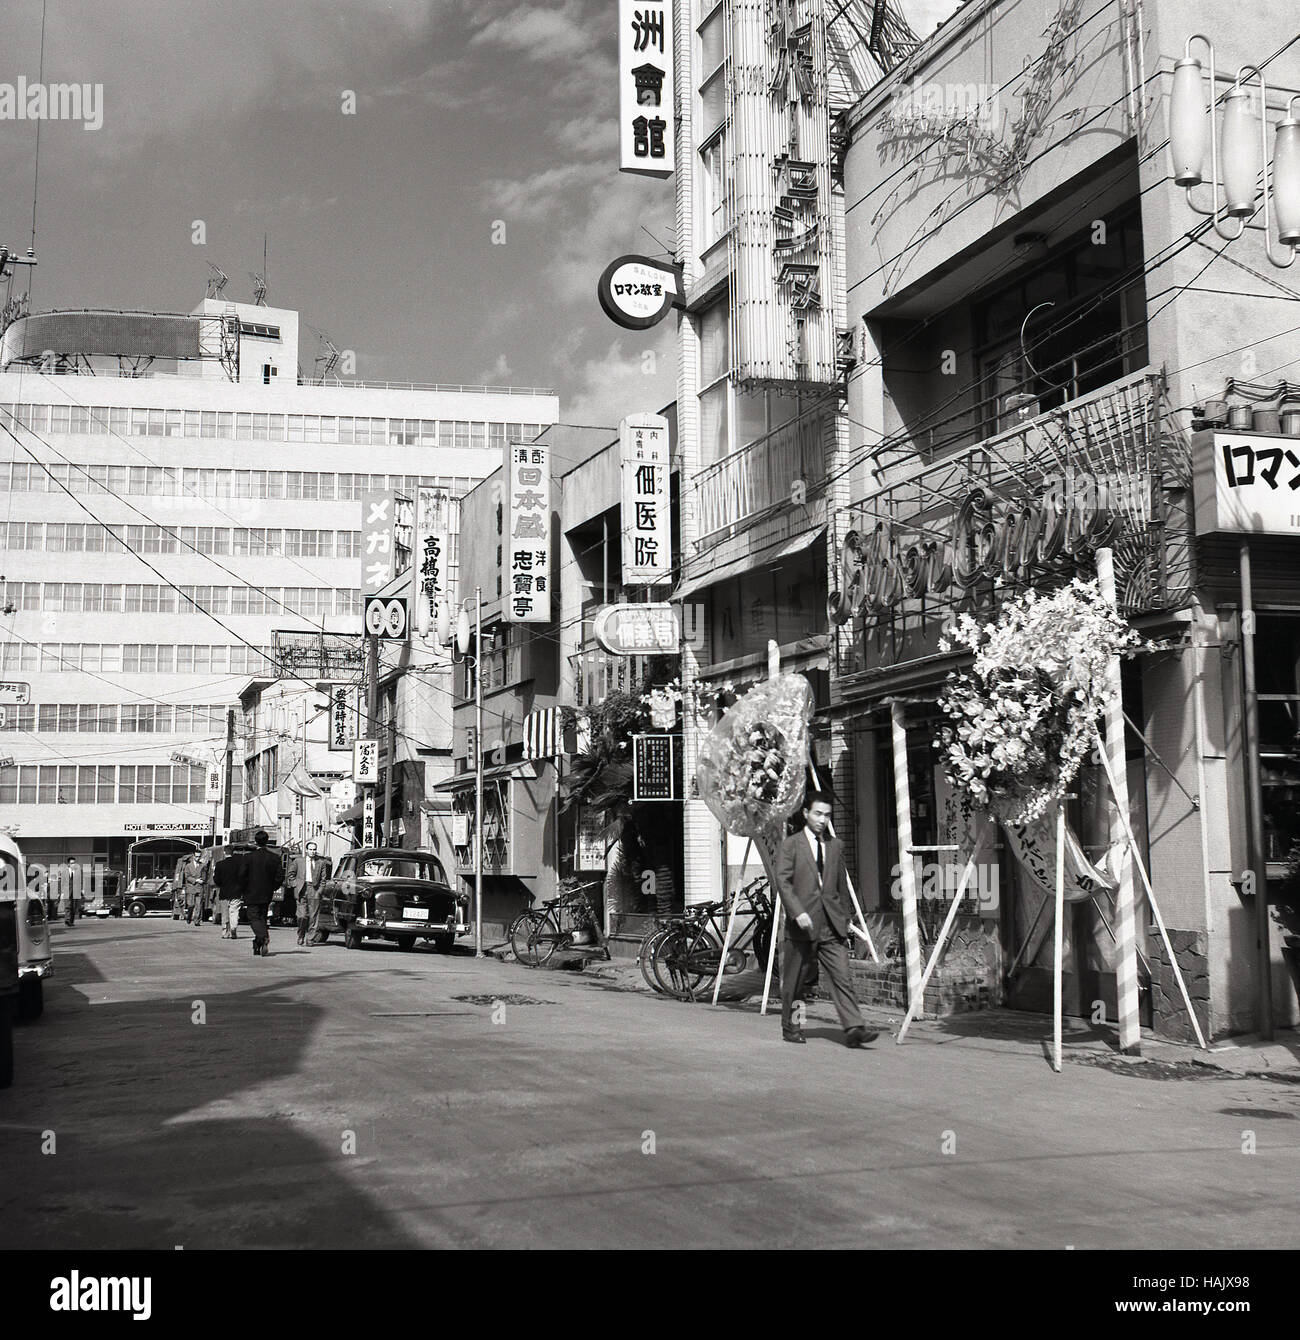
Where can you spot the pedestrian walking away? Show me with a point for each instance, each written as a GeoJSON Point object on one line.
{"type": "Point", "coordinates": [263, 875]}
{"type": "Point", "coordinates": [228, 879]}
{"type": "Point", "coordinates": [813, 884]}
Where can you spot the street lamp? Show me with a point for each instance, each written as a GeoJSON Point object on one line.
{"type": "Point", "coordinates": [1244, 151]}
{"type": "Point", "coordinates": [460, 652]}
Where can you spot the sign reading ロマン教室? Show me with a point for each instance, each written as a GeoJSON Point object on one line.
{"type": "Point", "coordinates": [527, 588]}
{"type": "Point", "coordinates": [1248, 483]}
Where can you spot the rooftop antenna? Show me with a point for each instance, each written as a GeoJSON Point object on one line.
{"type": "Point", "coordinates": [329, 355]}
{"type": "Point", "coordinates": [217, 280]}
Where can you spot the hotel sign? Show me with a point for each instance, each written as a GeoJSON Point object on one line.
{"type": "Point", "coordinates": [647, 520]}
{"type": "Point", "coordinates": [647, 117]}
{"type": "Point", "coordinates": [1248, 484]}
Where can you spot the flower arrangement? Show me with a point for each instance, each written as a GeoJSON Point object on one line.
{"type": "Point", "coordinates": [751, 765]}
{"type": "Point", "coordinates": [1022, 719]}
{"type": "Point", "coordinates": [703, 699]}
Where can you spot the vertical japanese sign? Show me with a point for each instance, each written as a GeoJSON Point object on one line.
{"type": "Point", "coordinates": [378, 513]}
{"type": "Point", "coordinates": [527, 588]}
{"type": "Point", "coordinates": [647, 121]}
{"type": "Point", "coordinates": [431, 545]}
{"type": "Point", "coordinates": [365, 762]}
{"type": "Point", "coordinates": [214, 790]}
{"type": "Point", "coordinates": [345, 709]}
{"type": "Point", "coordinates": [368, 818]}
{"type": "Point", "coordinates": [647, 519]}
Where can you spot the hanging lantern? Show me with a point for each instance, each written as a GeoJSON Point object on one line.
{"type": "Point", "coordinates": [1286, 180]}
{"type": "Point", "coordinates": [463, 633]}
{"type": "Point", "coordinates": [1189, 123]}
{"type": "Point", "coordinates": [1242, 154]}
{"type": "Point", "coordinates": [442, 624]}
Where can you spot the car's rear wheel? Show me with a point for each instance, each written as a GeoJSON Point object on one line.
{"type": "Point", "coordinates": [138, 909]}
{"type": "Point", "coordinates": [406, 942]}
{"type": "Point", "coordinates": [352, 938]}
{"type": "Point", "coordinates": [31, 998]}
{"type": "Point", "coordinates": [444, 943]}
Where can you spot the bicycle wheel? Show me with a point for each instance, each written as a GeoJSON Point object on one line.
{"type": "Point", "coordinates": [678, 964]}
{"type": "Point", "coordinates": [533, 938]}
{"type": "Point", "coordinates": [645, 957]}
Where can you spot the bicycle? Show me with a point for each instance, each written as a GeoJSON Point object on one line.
{"type": "Point", "coordinates": [536, 933]}
{"type": "Point", "coordinates": [689, 951]}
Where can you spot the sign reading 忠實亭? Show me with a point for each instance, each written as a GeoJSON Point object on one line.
{"type": "Point", "coordinates": [647, 118]}
{"type": "Point", "coordinates": [1248, 483]}
{"type": "Point", "coordinates": [646, 518]}
{"type": "Point", "coordinates": [527, 586]}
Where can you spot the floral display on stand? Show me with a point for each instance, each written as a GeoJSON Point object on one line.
{"type": "Point", "coordinates": [751, 766]}
{"type": "Point", "coordinates": [1022, 719]}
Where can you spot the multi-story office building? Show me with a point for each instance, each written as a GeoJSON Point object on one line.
{"type": "Point", "coordinates": [161, 520]}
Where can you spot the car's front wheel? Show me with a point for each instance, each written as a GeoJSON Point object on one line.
{"type": "Point", "coordinates": [138, 909]}
{"type": "Point", "coordinates": [31, 998]}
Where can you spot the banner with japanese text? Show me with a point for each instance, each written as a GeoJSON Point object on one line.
{"type": "Point", "coordinates": [647, 123]}
{"type": "Point", "coordinates": [647, 517]}
{"type": "Point", "coordinates": [431, 551]}
{"type": "Point", "coordinates": [527, 589]}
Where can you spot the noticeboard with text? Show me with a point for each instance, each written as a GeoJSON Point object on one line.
{"type": "Point", "coordinates": [527, 588]}
{"type": "Point", "coordinates": [345, 712]}
{"type": "Point", "coordinates": [1248, 484]}
{"type": "Point", "coordinates": [647, 518]}
{"type": "Point", "coordinates": [656, 761]}
{"type": "Point", "coordinates": [589, 851]}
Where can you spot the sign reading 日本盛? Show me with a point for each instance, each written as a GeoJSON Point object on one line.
{"type": "Point", "coordinates": [526, 590]}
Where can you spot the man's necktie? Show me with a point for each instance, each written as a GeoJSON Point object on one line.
{"type": "Point", "coordinates": [821, 861]}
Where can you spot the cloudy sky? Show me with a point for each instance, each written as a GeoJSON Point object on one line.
{"type": "Point", "coordinates": [473, 118]}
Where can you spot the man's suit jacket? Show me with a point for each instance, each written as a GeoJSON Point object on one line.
{"type": "Point", "coordinates": [825, 898]}
{"type": "Point", "coordinates": [263, 875]}
{"type": "Point", "coordinates": [320, 872]}
{"type": "Point", "coordinates": [229, 875]}
{"type": "Point", "coordinates": [293, 873]}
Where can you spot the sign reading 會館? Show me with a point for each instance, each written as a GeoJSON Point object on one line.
{"type": "Point", "coordinates": [647, 518]}
{"type": "Point", "coordinates": [1248, 483]}
{"type": "Point", "coordinates": [647, 122]}
{"type": "Point", "coordinates": [527, 587]}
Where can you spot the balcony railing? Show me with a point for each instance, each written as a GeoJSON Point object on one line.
{"type": "Point", "coordinates": [761, 476]}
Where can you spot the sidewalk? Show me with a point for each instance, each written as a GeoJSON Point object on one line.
{"type": "Point", "coordinates": [997, 1029]}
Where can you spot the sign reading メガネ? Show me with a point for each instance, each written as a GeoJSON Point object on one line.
{"type": "Point", "coordinates": [647, 521]}
{"type": "Point", "coordinates": [1249, 484]}
{"type": "Point", "coordinates": [647, 122]}
{"type": "Point", "coordinates": [527, 585]}
{"type": "Point", "coordinates": [365, 762]}
{"type": "Point", "coordinates": [654, 772]}
{"type": "Point", "coordinates": [344, 713]}
{"type": "Point", "coordinates": [637, 630]}
{"type": "Point", "coordinates": [378, 510]}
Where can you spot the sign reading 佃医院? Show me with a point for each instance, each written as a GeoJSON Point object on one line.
{"type": "Point", "coordinates": [527, 585]}
{"type": "Point", "coordinates": [432, 541]}
{"type": "Point", "coordinates": [635, 630]}
{"type": "Point", "coordinates": [647, 519]}
{"type": "Point", "coordinates": [654, 767]}
{"type": "Point", "coordinates": [646, 98]}
{"type": "Point", "coordinates": [345, 710]}
{"type": "Point", "coordinates": [1249, 484]}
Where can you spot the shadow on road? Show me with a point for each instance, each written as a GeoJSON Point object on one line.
{"type": "Point", "coordinates": [138, 1125]}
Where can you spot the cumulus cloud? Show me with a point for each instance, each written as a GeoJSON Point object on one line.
{"type": "Point", "coordinates": [636, 373]}
{"type": "Point", "coordinates": [540, 32]}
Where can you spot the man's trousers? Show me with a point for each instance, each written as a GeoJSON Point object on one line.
{"type": "Point", "coordinates": [799, 959]}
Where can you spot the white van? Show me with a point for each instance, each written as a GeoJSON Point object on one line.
{"type": "Point", "coordinates": [35, 959]}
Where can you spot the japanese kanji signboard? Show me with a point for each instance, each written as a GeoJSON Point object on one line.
{"type": "Point", "coordinates": [637, 292]}
{"type": "Point", "coordinates": [638, 630]}
{"type": "Point", "coordinates": [387, 535]}
{"type": "Point", "coordinates": [368, 835]}
{"type": "Point", "coordinates": [526, 592]}
{"type": "Point", "coordinates": [647, 523]}
{"type": "Point", "coordinates": [431, 543]}
{"type": "Point", "coordinates": [1248, 483]}
{"type": "Point", "coordinates": [365, 762]}
{"type": "Point", "coordinates": [589, 845]}
{"type": "Point", "coordinates": [15, 693]}
{"type": "Point", "coordinates": [344, 714]}
{"type": "Point", "coordinates": [647, 121]}
{"type": "Point", "coordinates": [654, 767]}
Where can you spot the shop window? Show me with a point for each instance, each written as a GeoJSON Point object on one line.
{"type": "Point", "coordinates": [1277, 683]}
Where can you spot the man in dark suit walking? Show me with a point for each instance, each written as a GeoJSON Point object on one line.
{"type": "Point", "coordinates": [263, 874]}
{"type": "Point", "coordinates": [813, 885]}
{"type": "Point", "coordinates": [315, 871]}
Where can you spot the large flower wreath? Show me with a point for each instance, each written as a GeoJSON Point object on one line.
{"type": "Point", "coordinates": [1021, 720]}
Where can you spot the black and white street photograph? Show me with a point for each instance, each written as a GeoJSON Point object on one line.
{"type": "Point", "coordinates": [649, 626]}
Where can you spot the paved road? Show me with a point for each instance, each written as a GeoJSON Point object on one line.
{"type": "Point", "coordinates": [379, 1098]}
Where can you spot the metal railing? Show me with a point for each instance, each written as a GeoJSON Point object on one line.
{"type": "Point", "coordinates": [761, 475]}
{"type": "Point", "coordinates": [357, 383]}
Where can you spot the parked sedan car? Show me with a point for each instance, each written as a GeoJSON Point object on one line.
{"type": "Point", "coordinates": [149, 895]}
{"type": "Point", "coordinates": [382, 893]}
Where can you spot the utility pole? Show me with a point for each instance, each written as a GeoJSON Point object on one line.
{"type": "Point", "coordinates": [478, 772]}
{"type": "Point", "coordinates": [372, 699]}
{"type": "Point", "coordinates": [230, 770]}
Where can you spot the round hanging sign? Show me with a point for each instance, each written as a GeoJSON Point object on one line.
{"type": "Point", "coordinates": [637, 292]}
